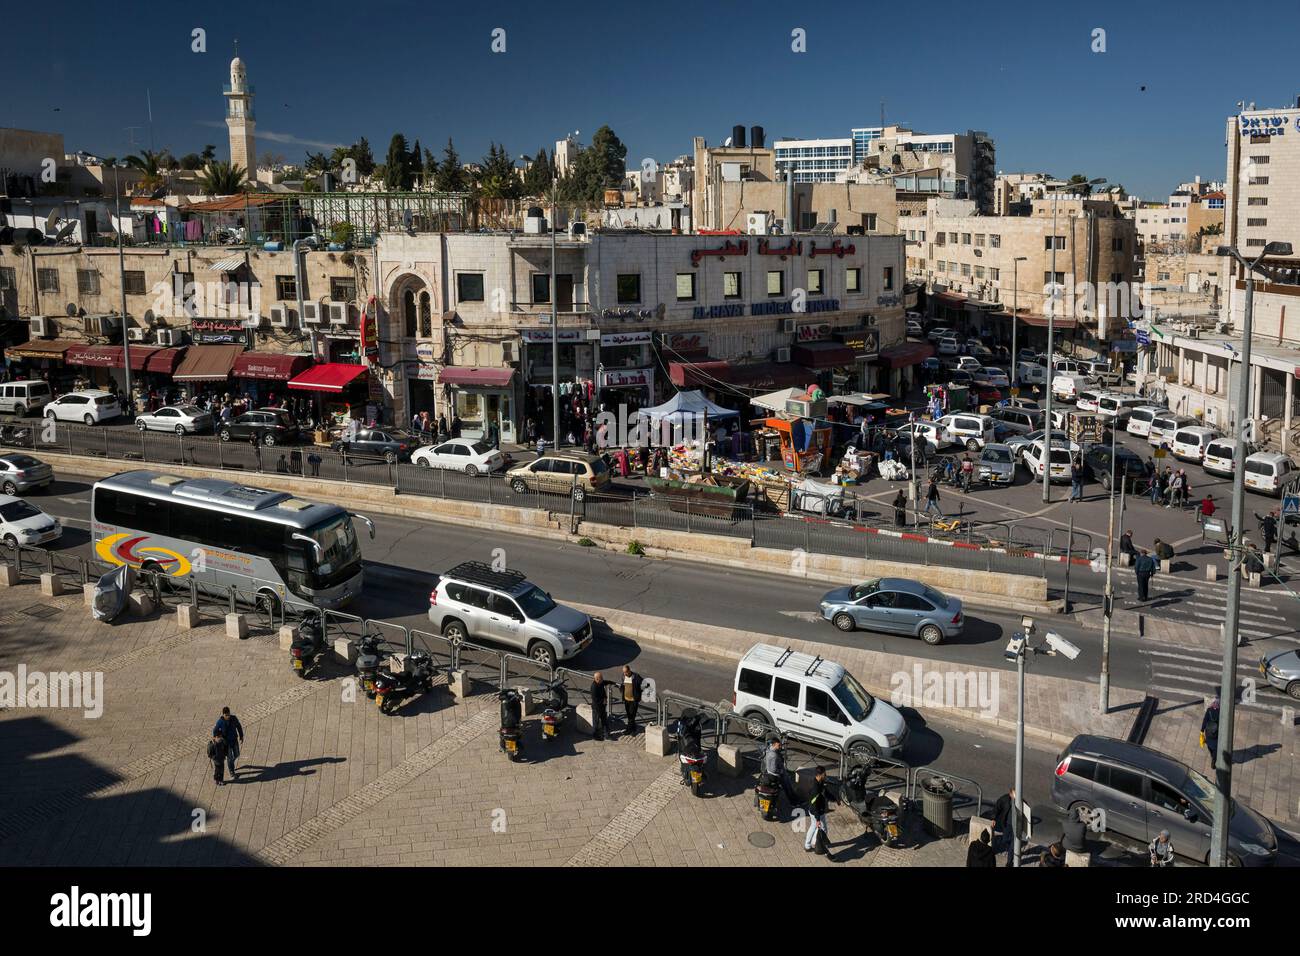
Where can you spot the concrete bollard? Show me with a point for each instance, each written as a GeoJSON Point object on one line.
{"type": "Point", "coordinates": [1211, 572]}
{"type": "Point", "coordinates": [731, 760]}
{"type": "Point", "coordinates": [88, 594]}
{"type": "Point", "coordinates": [977, 826]}
{"type": "Point", "coordinates": [657, 742]}
{"type": "Point", "coordinates": [140, 603]}
{"type": "Point", "coordinates": [1125, 559]}
{"type": "Point", "coordinates": [1164, 565]}
{"type": "Point", "coordinates": [8, 576]}
{"type": "Point", "coordinates": [582, 719]}
{"type": "Point", "coordinates": [187, 616]}
{"type": "Point", "coordinates": [1254, 579]}
{"type": "Point", "coordinates": [345, 650]}
{"type": "Point", "coordinates": [1269, 560]}
{"type": "Point", "coordinates": [51, 585]}
{"type": "Point", "coordinates": [237, 627]}
{"type": "Point", "coordinates": [287, 634]}
{"type": "Point", "coordinates": [459, 683]}
{"type": "Point", "coordinates": [1078, 858]}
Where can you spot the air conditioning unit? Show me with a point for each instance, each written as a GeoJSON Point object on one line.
{"type": "Point", "coordinates": [1193, 332]}
{"type": "Point", "coordinates": [870, 321]}
{"type": "Point", "coordinates": [166, 337]}
{"type": "Point", "coordinates": [508, 354]}
{"type": "Point", "coordinates": [280, 316]}
{"type": "Point", "coordinates": [137, 334]}
{"type": "Point", "coordinates": [577, 228]}
{"type": "Point", "coordinates": [787, 326]}
{"type": "Point", "coordinates": [338, 313]}
{"type": "Point", "coordinates": [757, 223]}
{"type": "Point", "coordinates": [310, 313]}
{"type": "Point", "coordinates": [42, 327]}
{"type": "Point", "coordinates": [100, 324]}
{"type": "Point", "coordinates": [783, 355]}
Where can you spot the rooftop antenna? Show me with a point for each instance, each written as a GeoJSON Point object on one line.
{"type": "Point", "coordinates": [148, 99]}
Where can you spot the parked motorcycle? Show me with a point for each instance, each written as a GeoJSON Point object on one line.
{"type": "Point", "coordinates": [686, 733]}
{"type": "Point", "coordinates": [308, 644]}
{"type": "Point", "coordinates": [512, 725]}
{"type": "Point", "coordinates": [878, 813]}
{"type": "Point", "coordinates": [369, 657]}
{"type": "Point", "coordinates": [555, 710]}
{"type": "Point", "coordinates": [417, 676]}
{"type": "Point", "coordinates": [769, 795]}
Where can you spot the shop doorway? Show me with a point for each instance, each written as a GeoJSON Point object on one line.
{"type": "Point", "coordinates": [564, 293]}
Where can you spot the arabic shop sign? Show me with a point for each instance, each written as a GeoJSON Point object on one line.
{"type": "Point", "coordinates": [543, 336]}
{"type": "Point", "coordinates": [813, 332]}
{"type": "Point", "coordinates": [624, 338]}
{"type": "Point", "coordinates": [862, 341]}
{"type": "Point", "coordinates": [626, 377]}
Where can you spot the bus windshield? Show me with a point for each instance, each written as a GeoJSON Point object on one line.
{"type": "Point", "coordinates": [338, 544]}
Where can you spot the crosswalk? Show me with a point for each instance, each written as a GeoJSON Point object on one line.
{"type": "Point", "coordinates": [1188, 675]}
{"type": "Point", "coordinates": [1264, 613]}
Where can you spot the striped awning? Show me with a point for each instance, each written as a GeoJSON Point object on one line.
{"type": "Point", "coordinates": [230, 263]}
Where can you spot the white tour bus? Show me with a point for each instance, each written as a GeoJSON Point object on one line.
{"type": "Point", "coordinates": [224, 533]}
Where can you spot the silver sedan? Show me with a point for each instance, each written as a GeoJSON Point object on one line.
{"type": "Point", "coordinates": [180, 419]}
{"type": "Point", "coordinates": [1282, 670]}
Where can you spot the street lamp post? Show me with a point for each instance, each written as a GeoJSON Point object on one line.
{"type": "Point", "coordinates": [555, 334]}
{"type": "Point", "coordinates": [1232, 619]}
{"type": "Point", "coordinates": [1015, 308]}
{"type": "Point", "coordinates": [1109, 598]}
{"type": "Point", "coordinates": [121, 281]}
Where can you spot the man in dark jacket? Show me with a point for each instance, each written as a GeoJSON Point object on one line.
{"type": "Point", "coordinates": [631, 699]}
{"type": "Point", "coordinates": [774, 766]}
{"type": "Point", "coordinates": [1143, 568]}
{"type": "Point", "coordinates": [231, 730]}
{"type": "Point", "coordinates": [1007, 819]}
{"type": "Point", "coordinates": [818, 804]}
{"type": "Point", "coordinates": [900, 509]}
{"type": "Point", "coordinates": [1126, 546]}
{"type": "Point", "coordinates": [217, 754]}
{"type": "Point", "coordinates": [980, 853]}
{"type": "Point", "coordinates": [1268, 527]}
{"type": "Point", "coordinates": [599, 706]}
{"type": "Point", "coordinates": [1074, 831]}
{"type": "Point", "coordinates": [1210, 728]}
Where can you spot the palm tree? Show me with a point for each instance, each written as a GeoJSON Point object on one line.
{"type": "Point", "coordinates": [223, 179]}
{"type": "Point", "coordinates": [152, 166]}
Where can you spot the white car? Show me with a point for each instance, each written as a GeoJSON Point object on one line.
{"type": "Point", "coordinates": [1189, 444]}
{"type": "Point", "coordinates": [1086, 400]}
{"type": "Point", "coordinates": [1218, 458]}
{"type": "Point", "coordinates": [967, 428]}
{"type": "Point", "coordinates": [22, 523]}
{"type": "Point", "coordinates": [990, 375]}
{"type": "Point", "coordinates": [932, 433]}
{"type": "Point", "coordinates": [181, 419]}
{"type": "Point", "coordinates": [460, 454]}
{"type": "Point", "coordinates": [934, 335]}
{"type": "Point", "coordinates": [1164, 425]}
{"type": "Point", "coordinates": [1269, 473]}
{"type": "Point", "coordinates": [949, 346]}
{"type": "Point", "coordinates": [1140, 419]}
{"type": "Point", "coordinates": [1063, 455]}
{"type": "Point", "coordinates": [914, 330]}
{"type": "Point", "coordinates": [89, 407]}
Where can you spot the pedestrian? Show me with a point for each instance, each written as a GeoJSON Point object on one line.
{"type": "Point", "coordinates": [1176, 482]}
{"type": "Point", "coordinates": [900, 509]}
{"type": "Point", "coordinates": [599, 705]}
{"type": "Point", "coordinates": [1210, 729]}
{"type": "Point", "coordinates": [979, 854]}
{"type": "Point", "coordinates": [1184, 488]}
{"type": "Point", "coordinates": [1143, 568]}
{"type": "Point", "coordinates": [1076, 480]}
{"type": "Point", "coordinates": [818, 803]}
{"type": "Point", "coordinates": [455, 426]}
{"type": "Point", "coordinates": [313, 460]}
{"type": "Point", "coordinates": [1156, 486]}
{"type": "Point", "coordinates": [967, 473]}
{"type": "Point", "coordinates": [217, 754]}
{"type": "Point", "coordinates": [1163, 550]}
{"type": "Point", "coordinates": [631, 699]}
{"type": "Point", "coordinates": [1126, 546]}
{"type": "Point", "coordinates": [1161, 850]}
{"type": "Point", "coordinates": [1207, 507]}
{"type": "Point", "coordinates": [1053, 856]}
{"type": "Point", "coordinates": [774, 769]}
{"type": "Point", "coordinates": [932, 499]}
{"type": "Point", "coordinates": [229, 727]}
{"type": "Point", "coordinates": [1008, 819]}
{"type": "Point", "coordinates": [1268, 527]}
{"type": "Point", "coordinates": [442, 427]}
{"type": "Point", "coordinates": [1074, 831]}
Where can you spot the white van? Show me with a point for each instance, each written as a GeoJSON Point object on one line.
{"type": "Point", "coordinates": [815, 700]}
{"type": "Point", "coordinates": [1031, 373]}
{"type": "Point", "coordinates": [1086, 400]}
{"type": "Point", "coordinates": [1189, 443]}
{"type": "Point", "coordinates": [1118, 407]}
{"type": "Point", "coordinates": [965, 428]}
{"type": "Point", "coordinates": [1218, 457]}
{"type": "Point", "coordinates": [1164, 425]}
{"type": "Point", "coordinates": [1067, 385]}
{"type": "Point", "coordinates": [1269, 473]}
{"type": "Point", "coordinates": [19, 398]}
{"type": "Point", "coordinates": [1139, 420]}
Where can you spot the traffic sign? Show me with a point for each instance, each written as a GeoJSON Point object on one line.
{"type": "Point", "coordinates": [1291, 505]}
{"type": "Point", "coordinates": [1160, 452]}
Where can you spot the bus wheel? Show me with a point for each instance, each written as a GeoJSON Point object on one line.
{"type": "Point", "coordinates": [268, 607]}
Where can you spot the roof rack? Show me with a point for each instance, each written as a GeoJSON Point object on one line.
{"type": "Point", "coordinates": [785, 655]}
{"type": "Point", "coordinates": [813, 666]}
{"type": "Point", "coordinates": [478, 572]}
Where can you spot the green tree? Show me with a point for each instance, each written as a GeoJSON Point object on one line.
{"type": "Point", "coordinates": [360, 153]}
{"type": "Point", "coordinates": [537, 179]}
{"type": "Point", "coordinates": [451, 176]}
{"type": "Point", "coordinates": [397, 170]}
{"type": "Point", "coordinates": [317, 163]}
{"type": "Point", "coordinates": [1080, 184]}
{"type": "Point", "coordinates": [209, 153]}
{"type": "Point", "coordinates": [153, 170]}
{"type": "Point", "coordinates": [192, 162]}
{"type": "Point", "coordinates": [223, 179]}
{"type": "Point", "coordinates": [600, 166]}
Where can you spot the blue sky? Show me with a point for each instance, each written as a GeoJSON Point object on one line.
{"type": "Point", "coordinates": [660, 73]}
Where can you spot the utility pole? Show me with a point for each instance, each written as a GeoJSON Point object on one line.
{"type": "Point", "coordinates": [1109, 599]}
{"type": "Point", "coordinates": [121, 281]}
{"type": "Point", "coordinates": [1015, 309]}
{"type": "Point", "coordinates": [555, 330]}
{"type": "Point", "coordinates": [1051, 370]}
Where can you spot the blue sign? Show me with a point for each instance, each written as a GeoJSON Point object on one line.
{"type": "Point", "coordinates": [1143, 338]}
{"type": "Point", "coordinates": [1291, 505]}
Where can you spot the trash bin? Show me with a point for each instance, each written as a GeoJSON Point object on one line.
{"type": "Point", "coordinates": [936, 806]}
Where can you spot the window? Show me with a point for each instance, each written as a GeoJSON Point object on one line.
{"type": "Point", "coordinates": [952, 238]}
{"type": "Point", "coordinates": [1082, 767]}
{"type": "Point", "coordinates": [870, 223]}
{"type": "Point", "coordinates": [820, 703]}
{"type": "Point", "coordinates": [965, 238]}
{"type": "Point", "coordinates": [776, 283]}
{"type": "Point", "coordinates": [889, 277]}
{"type": "Point", "coordinates": [183, 289]}
{"type": "Point", "coordinates": [629, 288]}
{"type": "Point", "coordinates": [1257, 201]}
{"type": "Point", "coordinates": [815, 278]}
{"type": "Point", "coordinates": [1256, 222]}
{"type": "Point", "coordinates": [754, 682]}
{"type": "Point", "coordinates": [87, 282]}
{"type": "Point", "coordinates": [1166, 797]}
{"type": "Point", "coordinates": [47, 280]}
{"type": "Point", "coordinates": [686, 287]}
{"type": "Point", "coordinates": [912, 602]}
{"type": "Point", "coordinates": [1117, 244]}
{"type": "Point", "coordinates": [731, 285]}
{"type": "Point", "coordinates": [965, 269]}
{"type": "Point", "coordinates": [286, 288]}
{"type": "Point", "coordinates": [979, 272]}
{"type": "Point", "coordinates": [1257, 181]}
{"type": "Point", "coordinates": [786, 692]}
{"type": "Point", "coordinates": [995, 241]}
{"type": "Point", "coordinates": [8, 279]}
{"type": "Point", "coordinates": [1049, 240]}
{"type": "Point", "coordinates": [1162, 276]}
{"type": "Point", "coordinates": [1047, 278]}
{"type": "Point", "coordinates": [1255, 242]}
{"type": "Point", "coordinates": [1124, 780]}
{"type": "Point", "coordinates": [995, 274]}
{"type": "Point", "coordinates": [941, 266]}
{"type": "Point", "coordinates": [133, 281]}
{"type": "Point", "coordinates": [1259, 160]}
{"type": "Point", "coordinates": [852, 280]}
{"type": "Point", "coordinates": [343, 290]}
{"type": "Point", "coordinates": [979, 239]}
{"type": "Point", "coordinates": [541, 288]}
{"type": "Point", "coordinates": [469, 287]}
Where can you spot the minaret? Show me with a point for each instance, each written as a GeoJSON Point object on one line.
{"type": "Point", "coordinates": [239, 118]}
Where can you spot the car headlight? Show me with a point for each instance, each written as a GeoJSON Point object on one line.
{"type": "Point", "coordinates": [892, 740]}
{"type": "Point", "coordinates": [1256, 850]}
{"type": "Point", "coordinates": [565, 637]}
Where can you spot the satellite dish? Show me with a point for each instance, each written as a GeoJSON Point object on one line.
{"type": "Point", "coordinates": [50, 220]}
{"type": "Point", "coordinates": [70, 308]}
{"type": "Point", "coordinates": [67, 229]}
{"type": "Point", "coordinates": [727, 141]}
{"type": "Point", "coordinates": [148, 317]}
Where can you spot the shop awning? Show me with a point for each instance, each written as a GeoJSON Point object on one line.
{"type": "Point", "coordinates": [230, 263]}
{"type": "Point", "coordinates": [272, 366]}
{"type": "Point", "coordinates": [823, 355]}
{"type": "Point", "coordinates": [94, 356]}
{"type": "Point", "coordinates": [161, 361]}
{"type": "Point", "coordinates": [1060, 322]}
{"type": "Point", "coordinates": [901, 356]}
{"type": "Point", "coordinates": [207, 363]}
{"type": "Point", "coordinates": [770, 375]}
{"type": "Point", "coordinates": [950, 299]}
{"type": "Point", "coordinates": [482, 377]}
{"type": "Point", "coordinates": [691, 374]}
{"type": "Point", "coordinates": [330, 377]}
{"type": "Point", "coordinates": [40, 349]}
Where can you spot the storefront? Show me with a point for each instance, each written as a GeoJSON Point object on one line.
{"type": "Point", "coordinates": [422, 381]}
{"type": "Point", "coordinates": [205, 369]}
{"type": "Point", "coordinates": [896, 367]}
{"type": "Point", "coordinates": [266, 375]}
{"type": "Point", "coordinates": [576, 372]}
{"type": "Point", "coordinates": [626, 375]}
{"type": "Point", "coordinates": [219, 332]}
{"type": "Point", "coordinates": [483, 400]}
{"type": "Point", "coordinates": [104, 367]}
{"type": "Point", "coordinates": [864, 343]}
{"type": "Point", "coordinates": [834, 363]}
{"type": "Point", "coordinates": [340, 390]}
{"type": "Point", "coordinates": [41, 359]}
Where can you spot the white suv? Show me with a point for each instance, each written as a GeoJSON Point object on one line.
{"type": "Point", "coordinates": [815, 700]}
{"type": "Point", "coordinates": [472, 601]}
{"type": "Point", "coordinates": [89, 407]}
{"type": "Point", "coordinates": [964, 428]}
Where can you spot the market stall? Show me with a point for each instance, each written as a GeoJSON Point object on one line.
{"type": "Point", "coordinates": [340, 392]}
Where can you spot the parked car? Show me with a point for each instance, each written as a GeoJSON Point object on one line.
{"type": "Point", "coordinates": [1062, 458]}
{"type": "Point", "coordinates": [914, 330]}
{"type": "Point", "coordinates": [1189, 443]}
{"type": "Point", "coordinates": [1118, 407]}
{"type": "Point", "coordinates": [986, 394]}
{"type": "Point", "coordinates": [1269, 473]}
{"type": "Point", "coordinates": [1066, 386]}
{"type": "Point", "coordinates": [968, 363]}
{"type": "Point", "coordinates": [1143, 792]}
{"type": "Point", "coordinates": [1097, 464]}
{"type": "Point", "coordinates": [1026, 404]}
{"type": "Point", "coordinates": [815, 700]}
{"type": "Point", "coordinates": [931, 365]}
{"type": "Point", "coordinates": [1282, 670]}
{"type": "Point", "coordinates": [1218, 458]}
{"type": "Point", "coordinates": [949, 346]}
{"type": "Point", "coordinates": [942, 332]}
{"type": "Point", "coordinates": [964, 428]}
{"type": "Point", "coordinates": [958, 377]}
{"type": "Point", "coordinates": [272, 426]}
{"type": "Point", "coordinates": [1019, 421]}
{"type": "Point", "coordinates": [980, 353]}
{"type": "Point", "coordinates": [19, 398]}
{"type": "Point", "coordinates": [22, 523]}
{"type": "Point", "coordinates": [474, 602]}
{"type": "Point", "coordinates": [933, 433]}
{"type": "Point", "coordinates": [561, 472]}
{"type": "Point", "coordinates": [390, 444]}
{"type": "Point", "coordinates": [1086, 400]}
{"type": "Point", "coordinates": [1140, 418]}
{"type": "Point", "coordinates": [992, 376]}
{"type": "Point", "coordinates": [1164, 425]}
{"type": "Point", "coordinates": [1018, 443]}
{"type": "Point", "coordinates": [461, 454]}
{"type": "Point", "coordinates": [20, 474]}
{"type": "Point", "coordinates": [181, 419]}
{"type": "Point", "coordinates": [1031, 373]}
{"type": "Point", "coordinates": [89, 407]}
{"type": "Point", "coordinates": [996, 465]}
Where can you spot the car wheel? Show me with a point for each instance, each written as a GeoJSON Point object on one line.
{"type": "Point", "coordinates": [11, 542]}
{"type": "Point", "coordinates": [454, 631]}
{"type": "Point", "coordinates": [20, 410]}
{"type": "Point", "coordinates": [180, 431]}
{"type": "Point", "coordinates": [864, 751]}
{"type": "Point", "coordinates": [224, 435]}
{"type": "Point", "coordinates": [424, 463]}
{"type": "Point", "coordinates": [10, 488]}
{"type": "Point", "coordinates": [51, 416]}
{"type": "Point", "coordinates": [1293, 689]}
{"type": "Point", "coordinates": [972, 445]}
{"type": "Point", "coordinates": [268, 439]}
{"type": "Point", "coordinates": [542, 653]}
{"type": "Point", "coordinates": [1105, 482]}
{"type": "Point", "coordinates": [844, 621]}
{"type": "Point", "coordinates": [390, 457]}
{"type": "Point", "coordinates": [88, 419]}
{"type": "Point", "coordinates": [932, 634]}
{"type": "Point", "coordinates": [579, 492]}
{"type": "Point", "coordinates": [757, 725]}
{"type": "Point", "coordinates": [519, 486]}
{"type": "Point", "coordinates": [471, 470]}
{"type": "Point", "coordinates": [140, 424]}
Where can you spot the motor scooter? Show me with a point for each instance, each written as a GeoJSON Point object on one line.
{"type": "Point", "coordinates": [417, 675]}
{"type": "Point", "coordinates": [308, 644]}
{"type": "Point", "coordinates": [512, 719]}
{"type": "Point", "coordinates": [369, 657]}
{"type": "Point", "coordinates": [555, 710]}
{"type": "Point", "coordinates": [685, 732]}
{"type": "Point", "coordinates": [879, 814]}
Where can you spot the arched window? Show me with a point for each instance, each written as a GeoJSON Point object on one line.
{"type": "Point", "coordinates": [426, 316]}
{"type": "Point", "coordinates": [408, 313]}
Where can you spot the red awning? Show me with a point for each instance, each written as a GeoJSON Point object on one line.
{"type": "Point", "coordinates": [483, 377]}
{"type": "Point", "coordinates": [901, 356]}
{"type": "Point", "coordinates": [1060, 322]}
{"type": "Point", "coordinates": [949, 299]}
{"type": "Point", "coordinates": [272, 366]}
{"type": "Point", "coordinates": [770, 375]}
{"type": "Point", "coordinates": [161, 361]}
{"type": "Point", "coordinates": [330, 377]}
{"type": "Point", "coordinates": [94, 356]}
{"type": "Point", "coordinates": [693, 374]}
{"type": "Point", "coordinates": [823, 355]}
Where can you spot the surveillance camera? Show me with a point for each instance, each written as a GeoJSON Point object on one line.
{"type": "Point", "coordinates": [1014, 647]}
{"type": "Point", "coordinates": [1060, 645]}
{"type": "Point", "coordinates": [1027, 623]}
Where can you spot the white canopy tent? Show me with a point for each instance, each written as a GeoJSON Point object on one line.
{"type": "Point", "coordinates": [686, 406]}
{"type": "Point", "coordinates": [775, 401]}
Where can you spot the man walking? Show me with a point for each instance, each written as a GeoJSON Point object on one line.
{"type": "Point", "coordinates": [980, 852]}
{"type": "Point", "coordinates": [1076, 480]}
{"type": "Point", "coordinates": [932, 499]}
{"type": "Point", "coordinates": [817, 807]}
{"type": "Point", "coordinates": [1268, 527]}
{"type": "Point", "coordinates": [967, 473]}
{"type": "Point", "coordinates": [631, 699]}
{"type": "Point", "coordinates": [900, 509]}
{"type": "Point", "coordinates": [1143, 568]}
{"type": "Point", "coordinates": [229, 728]}
{"type": "Point", "coordinates": [599, 705]}
{"type": "Point", "coordinates": [774, 768]}
{"type": "Point", "coordinates": [1210, 729]}
{"type": "Point", "coordinates": [217, 754]}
